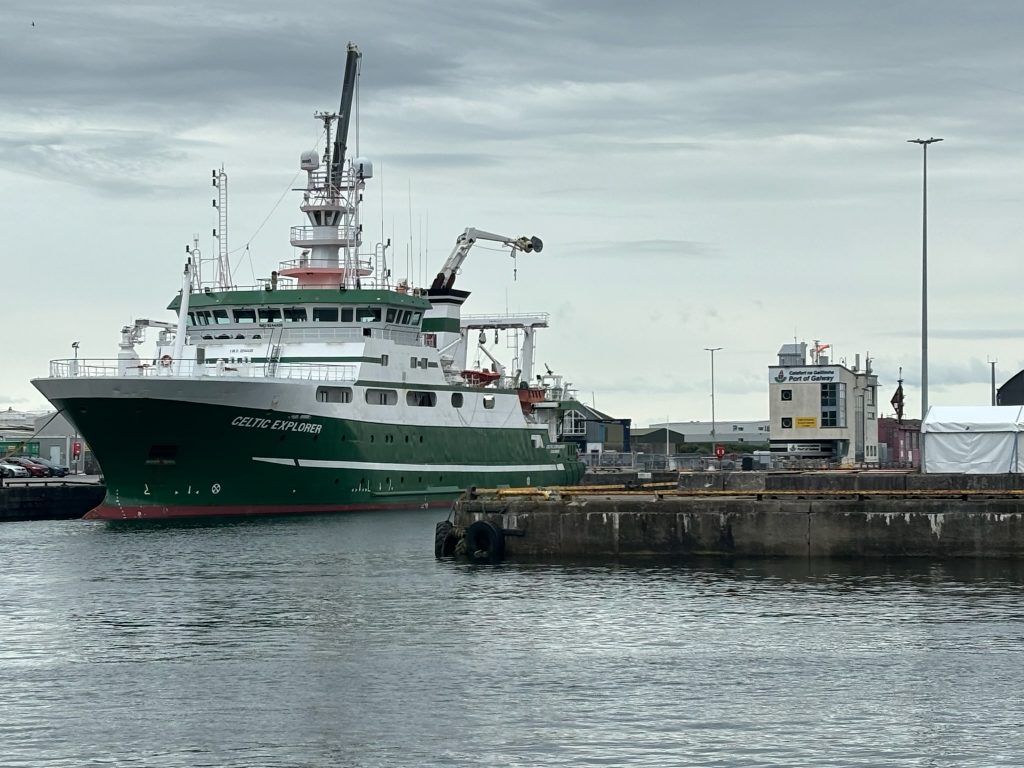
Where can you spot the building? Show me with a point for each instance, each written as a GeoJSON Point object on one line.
{"type": "Point", "coordinates": [1012, 392]}
{"type": "Point", "coordinates": [821, 410]}
{"type": "Point", "coordinates": [725, 431]}
{"type": "Point", "coordinates": [899, 442]}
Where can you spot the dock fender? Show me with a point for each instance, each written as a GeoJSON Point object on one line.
{"type": "Point", "coordinates": [444, 539]}
{"type": "Point", "coordinates": [485, 542]}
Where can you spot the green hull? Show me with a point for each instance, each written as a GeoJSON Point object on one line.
{"type": "Point", "coordinates": [164, 458]}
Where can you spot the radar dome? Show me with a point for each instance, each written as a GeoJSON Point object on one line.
{"type": "Point", "coordinates": [310, 160]}
{"type": "Point", "coordinates": [363, 167]}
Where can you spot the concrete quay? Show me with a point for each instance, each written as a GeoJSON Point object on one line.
{"type": "Point", "coordinates": [48, 500]}
{"type": "Point", "coordinates": [751, 514]}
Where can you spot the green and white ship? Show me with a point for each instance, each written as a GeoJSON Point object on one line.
{"type": "Point", "coordinates": [324, 388]}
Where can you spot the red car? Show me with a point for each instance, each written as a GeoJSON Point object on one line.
{"type": "Point", "coordinates": [34, 470]}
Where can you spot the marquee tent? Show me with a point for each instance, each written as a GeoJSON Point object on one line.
{"type": "Point", "coordinates": [976, 440]}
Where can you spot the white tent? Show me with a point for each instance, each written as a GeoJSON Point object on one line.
{"type": "Point", "coordinates": [977, 440]}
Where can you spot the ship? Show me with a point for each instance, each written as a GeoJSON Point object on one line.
{"type": "Point", "coordinates": [328, 387]}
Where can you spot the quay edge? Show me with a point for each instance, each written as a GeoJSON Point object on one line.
{"type": "Point", "coordinates": [818, 514]}
{"type": "Point", "coordinates": [48, 501]}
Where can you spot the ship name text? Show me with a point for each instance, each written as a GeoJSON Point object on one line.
{"type": "Point", "coordinates": [281, 425]}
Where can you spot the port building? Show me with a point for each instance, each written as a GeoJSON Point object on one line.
{"type": "Point", "coordinates": [822, 410]}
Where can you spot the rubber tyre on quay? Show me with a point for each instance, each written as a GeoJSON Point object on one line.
{"type": "Point", "coordinates": [444, 540]}
{"type": "Point", "coordinates": [485, 542]}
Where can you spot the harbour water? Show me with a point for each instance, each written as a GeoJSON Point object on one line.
{"type": "Point", "coordinates": [340, 641]}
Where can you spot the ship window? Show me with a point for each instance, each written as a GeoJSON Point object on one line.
{"type": "Point", "coordinates": [268, 315]}
{"type": "Point", "coordinates": [391, 315]}
{"type": "Point", "coordinates": [488, 402]}
{"type": "Point", "coordinates": [191, 318]}
{"type": "Point", "coordinates": [203, 317]}
{"type": "Point", "coordinates": [381, 397]}
{"type": "Point", "coordinates": [245, 315]}
{"type": "Point", "coordinates": [334, 394]}
{"type": "Point", "coordinates": [368, 315]}
{"type": "Point", "coordinates": [295, 315]}
{"type": "Point", "coordinates": [421, 399]}
{"type": "Point", "coordinates": [384, 359]}
{"type": "Point", "coordinates": [405, 317]}
{"type": "Point", "coordinates": [220, 316]}
{"type": "Point", "coordinates": [346, 315]}
{"type": "Point", "coordinates": [456, 399]}
{"type": "Point", "coordinates": [325, 314]}
{"type": "Point", "coordinates": [415, 319]}
{"type": "Point", "coordinates": [413, 362]}
{"type": "Point", "coordinates": [423, 363]}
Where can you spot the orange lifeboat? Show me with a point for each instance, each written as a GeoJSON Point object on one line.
{"type": "Point", "coordinates": [480, 378]}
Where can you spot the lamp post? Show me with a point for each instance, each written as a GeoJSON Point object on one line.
{"type": "Point", "coordinates": [714, 442]}
{"type": "Point", "coordinates": [924, 284]}
{"type": "Point", "coordinates": [74, 346]}
{"type": "Point", "coordinates": [993, 364]}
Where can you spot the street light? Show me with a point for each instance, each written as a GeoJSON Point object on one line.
{"type": "Point", "coordinates": [924, 284]}
{"type": "Point", "coordinates": [74, 346]}
{"type": "Point", "coordinates": [712, 350]}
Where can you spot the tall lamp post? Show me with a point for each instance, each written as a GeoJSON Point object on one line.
{"type": "Point", "coordinates": [74, 346]}
{"type": "Point", "coordinates": [714, 442]}
{"type": "Point", "coordinates": [924, 284]}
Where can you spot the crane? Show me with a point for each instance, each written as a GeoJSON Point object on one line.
{"type": "Point", "coordinates": [446, 277]}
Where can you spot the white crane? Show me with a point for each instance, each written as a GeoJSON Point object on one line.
{"type": "Point", "coordinates": [446, 277]}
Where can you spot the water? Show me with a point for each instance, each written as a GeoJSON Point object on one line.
{"type": "Point", "coordinates": [340, 641]}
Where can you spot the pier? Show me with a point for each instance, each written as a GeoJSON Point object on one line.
{"type": "Point", "coordinates": [48, 499]}
{"type": "Point", "coordinates": [747, 514]}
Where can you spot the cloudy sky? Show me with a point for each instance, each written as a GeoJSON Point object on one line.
{"type": "Point", "coordinates": [704, 174]}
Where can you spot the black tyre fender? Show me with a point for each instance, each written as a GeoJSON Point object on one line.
{"type": "Point", "coordinates": [444, 540]}
{"type": "Point", "coordinates": [485, 542]}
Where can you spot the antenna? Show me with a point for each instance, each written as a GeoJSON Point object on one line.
{"type": "Point", "coordinates": [220, 181]}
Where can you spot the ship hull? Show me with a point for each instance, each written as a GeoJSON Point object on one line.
{"type": "Point", "coordinates": [177, 448]}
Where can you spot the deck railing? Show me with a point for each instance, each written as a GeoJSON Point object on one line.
{"type": "Point", "coordinates": [189, 368]}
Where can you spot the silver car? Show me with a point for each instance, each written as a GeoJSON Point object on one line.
{"type": "Point", "coordinates": [12, 470]}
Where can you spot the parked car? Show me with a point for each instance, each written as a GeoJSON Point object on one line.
{"type": "Point", "coordinates": [12, 470]}
{"type": "Point", "coordinates": [56, 470]}
{"type": "Point", "coordinates": [34, 470]}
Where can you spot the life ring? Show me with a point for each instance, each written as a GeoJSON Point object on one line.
{"type": "Point", "coordinates": [485, 542]}
{"type": "Point", "coordinates": [166, 361]}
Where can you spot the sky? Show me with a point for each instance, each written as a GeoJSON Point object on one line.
{"type": "Point", "coordinates": [703, 174]}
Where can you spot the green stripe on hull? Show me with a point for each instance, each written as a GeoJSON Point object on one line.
{"type": "Point", "coordinates": [166, 453]}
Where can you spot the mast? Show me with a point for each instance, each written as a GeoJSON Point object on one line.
{"type": "Point", "coordinates": [330, 242]}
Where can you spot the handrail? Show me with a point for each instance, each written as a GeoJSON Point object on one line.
{"type": "Point", "coordinates": [189, 368]}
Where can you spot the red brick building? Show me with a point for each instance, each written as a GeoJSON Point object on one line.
{"type": "Point", "coordinates": [902, 441]}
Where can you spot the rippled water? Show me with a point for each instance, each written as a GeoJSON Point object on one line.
{"type": "Point", "coordinates": [340, 641]}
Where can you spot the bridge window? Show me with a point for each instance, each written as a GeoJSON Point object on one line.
{"type": "Point", "coordinates": [325, 314]}
{"type": "Point", "coordinates": [390, 317]}
{"type": "Point", "coordinates": [406, 314]}
{"type": "Point", "coordinates": [294, 314]}
{"type": "Point", "coordinates": [368, 315]}
{"type": "Point", "coordinates": [269, 315]}
{"type": "Point", "coordinates": [220, 317]}
{"type": "Point", "coordinates": [346, 315]}
{"type": "Point", "coordinates": [245, 315]}
{"type": "Point", "coordinates": [415, 319]}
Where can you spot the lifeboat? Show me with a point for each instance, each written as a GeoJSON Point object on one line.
{"type": "Point", "coordinates": [480, 378]}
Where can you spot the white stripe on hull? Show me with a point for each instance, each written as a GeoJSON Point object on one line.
{"type": "Point", "coordinates": [328, 464]}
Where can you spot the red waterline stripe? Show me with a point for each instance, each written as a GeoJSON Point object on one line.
{"type": "Point", "coordinates": [107, 512]}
